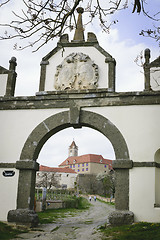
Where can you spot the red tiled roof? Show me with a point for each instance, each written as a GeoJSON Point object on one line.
{"type": "Point", "coordinates": [86, 159]}
{"type": "Point", "coordinates": [50, 169]}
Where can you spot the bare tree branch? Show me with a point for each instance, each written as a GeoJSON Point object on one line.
{"type": "Point", "coordinates": [3, 3]}
{"type": "Point", "coordinates": [42, 20]}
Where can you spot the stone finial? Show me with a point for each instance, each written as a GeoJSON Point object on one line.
{"type": "Point", "coordinates": [92, 37]}
{"type": "Point", "coordinates": [11, 80]}
{"type": "Point", "coordinates": [64, 38]}
{"type": "Point", "coordinates": [147, 55]}
{"type": "Point", "coordinates": [79, 32]}
{"type": "Point", "coordinates": [13, 64]}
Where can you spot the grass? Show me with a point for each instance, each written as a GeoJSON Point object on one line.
{"type": "Point", "coordinates": [136, 231]}
{"type": "Point", "coordinates": [51, 215]}
{"type": "Point", "coordinates": [109, 203]}
{"type": "Point", "coordinates": [9, 232]}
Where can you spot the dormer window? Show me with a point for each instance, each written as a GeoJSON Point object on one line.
{"type": "Point", "coordinates": [74, 161]}
{"type": "Point", "coordinates": [67, 162]}
{"type": "Point", "coordinates": [100, 160]}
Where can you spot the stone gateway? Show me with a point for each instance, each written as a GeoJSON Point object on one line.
{"type": "Point", "coordinates": [79, 90]}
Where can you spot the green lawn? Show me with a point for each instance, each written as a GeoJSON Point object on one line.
{"type": "Point", "coordinates": [8, 232]}
{"type": "Point", "coordinates": [51, 215]}
{"type": "Point", "coordinates": [137, 231]}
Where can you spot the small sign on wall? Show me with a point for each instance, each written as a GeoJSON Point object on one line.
{"type": "Point", "coordinates": [7, 173]}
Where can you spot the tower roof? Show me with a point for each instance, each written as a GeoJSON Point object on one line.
{"type": "Point", "coordinates": [73, 145]}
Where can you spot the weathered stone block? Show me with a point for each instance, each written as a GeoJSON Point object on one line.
{"type": "Point", "coordinates": [24, 217]}
{"type": "Point", "coordinates": [122, 164]}
{"type": "Point", "coordinates": [117, 218]}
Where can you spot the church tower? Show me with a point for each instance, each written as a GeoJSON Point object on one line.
{"type": "Point", "coordinates": [73, 150]}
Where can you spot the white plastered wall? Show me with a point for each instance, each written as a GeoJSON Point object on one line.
{"type": "Point", "coordinates": [8, 193]}
{"type": "Point", "coordinates": [3, 84]}
{"type": "Point", "coordinates": [15, 127]}
{"type": "Point", "coordinates": [139, 126]}
{"type": "Point", "coordinates": [58, 57]}
{"type": "Point", "coordinates": [142, 194]}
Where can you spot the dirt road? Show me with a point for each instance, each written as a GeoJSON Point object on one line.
{"type": "Point", "coordinates": [83, 226]}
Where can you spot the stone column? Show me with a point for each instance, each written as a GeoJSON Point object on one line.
{"type": "Point", "coordinates": [24, 214]}
{"type": "Point", "coordinates": [43, 75]}
{"type": "Point", "coordinates": [122, 215]}
{"type": "Point", "coordinates": [111, 73]}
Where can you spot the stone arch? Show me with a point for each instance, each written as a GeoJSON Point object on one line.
{"type": "Point", "coordinates": [157, 156]}
{"type": "Point", "coordinates": [28, 165]}
{"type": "Point", "coordinates": [60, 121]}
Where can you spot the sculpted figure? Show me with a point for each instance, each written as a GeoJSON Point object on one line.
{"type": "Point", "coordinates": [77, 71]}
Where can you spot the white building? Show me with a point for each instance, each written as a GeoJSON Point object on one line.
{"type": "Point", "coordinates": [56, 177]}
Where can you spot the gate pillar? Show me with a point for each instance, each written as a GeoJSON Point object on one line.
{"type": "Point", "coordinates": [25, 214]}
{"type": "Point", "coordinates": [122, 215]}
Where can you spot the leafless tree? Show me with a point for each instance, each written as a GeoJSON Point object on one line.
{"type": "Point", "coordinates": [43, 20]}
{"type": "Point", "coordinates": [108, 182]}
{"type": "Point", "coordinates": [47, 180]}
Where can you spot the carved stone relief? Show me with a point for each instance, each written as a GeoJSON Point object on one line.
{"type": "Point", "coordinates": [77, 71]}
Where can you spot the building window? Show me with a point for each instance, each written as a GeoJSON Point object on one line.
{"type": "Point", "coordinates": [73, 166]}
{"type": "Point", "coordinates": [78, 165]}
{"type": "Point", "coordinates": [78, 170]}
{"type": "Point", "coordinates": [86, 164]}
{"type": "Point", "coordinates": [82, 169]}
{"type": "Point", "coordinates": [86, 169]}
{"type": "Point", "coordinates": [70, 166]}
{"type": "Point", "coordinates": [105, 166]}
{"type": "Point", "coordinates": [82, 164]}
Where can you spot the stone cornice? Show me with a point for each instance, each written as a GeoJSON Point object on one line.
{"type": "Point", "coordinates": [82, 98]}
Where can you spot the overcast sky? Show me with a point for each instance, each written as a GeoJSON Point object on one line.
{"type": "Point", "coordinates": [124, 43]}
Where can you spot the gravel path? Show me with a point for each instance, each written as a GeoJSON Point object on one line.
{"type": "Point", "coordinates": [83, 226]}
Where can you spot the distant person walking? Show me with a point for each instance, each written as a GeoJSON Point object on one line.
{"type": "Point", "coordinates": [90, 198]}
{"type": "Point", "coordinates": [95, 198]}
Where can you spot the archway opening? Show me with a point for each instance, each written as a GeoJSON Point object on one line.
{"type": "Point", "coordinates": [89, 141]}
{"type": "Point", "coordinates": [92, 163]}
